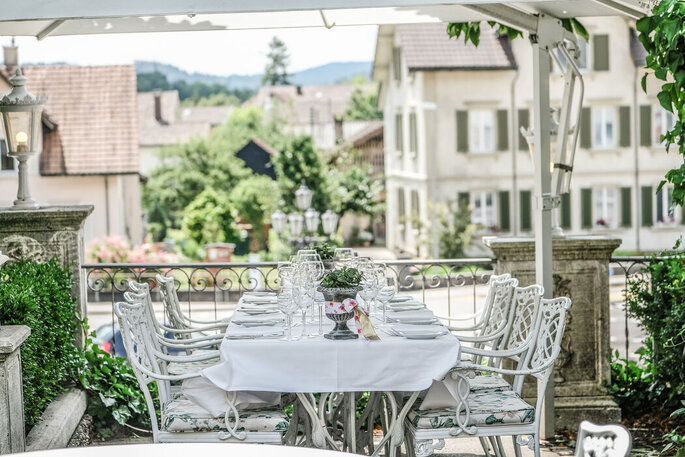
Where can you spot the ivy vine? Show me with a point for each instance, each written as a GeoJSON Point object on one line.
{"type": "Point", "coordinates": [471, 30]}
{"type": "Point", "coordinates": [663, 36]}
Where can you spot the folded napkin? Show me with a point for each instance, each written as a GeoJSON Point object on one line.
{"type": "Point", "coordinates": [412, 328]}
{"type": "Point", "coordinates": [400, 316]}
{"type": "Point", "coordinates": [256, 332]}
{"type": "Point", "coordinates": [441, 394]}
{"type": "Point", "coordinates": [254, 307]}
{"type": "Point", "coordinates": [247, 319]}
{"type": "Point", "coordinates": [260, 299]}
{"type": "Point", "coordinates": [399, 298]}
{"type": "Point", "coordinates": [206, 395]}
{"type": "Point", "coordinates": [406, 306]}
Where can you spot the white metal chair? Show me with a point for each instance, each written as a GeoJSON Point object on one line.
{"type": "Point", "coordinates": [610, 440]}
{"type": "Point", "coordinates": [181, 420]}
{"type": "Point", "coordinates": [175, 314]}
{"type": "Point", "coordinates": [498, 413]}
{"type": "Point", "coordinates": [481, 318]}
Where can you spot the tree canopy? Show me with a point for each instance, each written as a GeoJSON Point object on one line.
{"type": "Point", "coordinates": [195, 93]}
{"type": "Point", "coordinates": [363, 106]}
{"type": "Point", "coordinates": [276, 70]}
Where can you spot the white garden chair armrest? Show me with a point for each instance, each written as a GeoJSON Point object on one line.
{"type": "Point", "coordinates": [196, 345]}
{"type": "Point", "coordinates": [471, 367]}
{"type": "Point", "coordinates": [463, 317]}
{"type": "Point", "coordinates": [223, 321]}
{"type": "Point", "coordinates": [204, 328]}
{"type": "Point", "coordinates": [208, 338]}
{"type": "Point", "coordinates": [187, 358]}
{"type": "Point", "coordinates": [496, 353]}
{"type": "Point", "coordinates": [482, 338]}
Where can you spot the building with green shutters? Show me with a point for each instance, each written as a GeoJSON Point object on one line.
{"type": "Point", "coordinates": [453, 114]}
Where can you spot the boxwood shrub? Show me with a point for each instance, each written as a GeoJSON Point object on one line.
{"type": "Point", "coordinates": [38, 295]}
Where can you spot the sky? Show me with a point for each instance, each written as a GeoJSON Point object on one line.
{"type": "Point", "coordinates": [213, 52]}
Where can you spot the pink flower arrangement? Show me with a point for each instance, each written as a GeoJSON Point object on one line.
{"type": "Point", "coordinates": [116, 249]}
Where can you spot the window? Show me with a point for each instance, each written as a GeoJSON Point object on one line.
{"type": "Point", "coordinates": [662, 122]}
{"type": "Point", "coordinates": [483, 209]}
{"type": "Point", "coordinates": [604, 127]}
{"type": "Point", "coordinates": [605, 210]}
{"type": "Point", "coordinates": [481, 131]}
{"type": "Point", "coordinates": [413, 140]}
{"type": "Point", "coordinates": [401, 212]}
{"type": "Point", "coordinates": [664, 212]}
{"type": "Point", "coordinates": [583, 59]}
{"type": "Point", "coordinates": [6, 162]}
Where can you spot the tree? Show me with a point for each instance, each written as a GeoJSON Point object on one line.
{"type": "Point", "coordinates": [276, 70]}
{"type": "Point", "coordinates": [209, 218]}
{"type": "Point", "coordinates": [297, 163]}
{"type": "Point", "coordinates": [199, 164]}
{"type": "Point", "coordinates": [256, 198]}
{"type": "Point", "coordinates": [354, 190]}
{"type": "Point", "coordinates": [363, 106]}
{"type": "Point", "coordinates": [663, 36]}
{"type": "Point", "coordinates": [455, 229]}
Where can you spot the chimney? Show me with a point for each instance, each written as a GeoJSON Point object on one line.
{"type": "Point", "coordinates": [11, 57]}
{"type": "Point", "coordinates": [299, 89]}
{"type": "Point", "coordinates": [158, 108]}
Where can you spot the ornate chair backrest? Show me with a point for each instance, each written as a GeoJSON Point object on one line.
{"type": "Point", "coordinates": [524, 311]}
{"type": "Point", "coordinates": [140, 293]}
{"type": "Point", "coordinates": [548, 332]}
{"type": "Point", "coordinates": [137, 336]}
{"type": "Point", "coordinates": [490, 296]}
{"type": "Point", "coordinates": [172, 308]}
{"type": "Point", "coordinates": [500, 295]}
{"type": "Point", "coordinates": [610, 440]}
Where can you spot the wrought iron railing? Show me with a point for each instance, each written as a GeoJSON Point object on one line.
{"type": "Point", "coordinates": [453, 284]}
{"type": "Point", "coordinates": [215, 288]}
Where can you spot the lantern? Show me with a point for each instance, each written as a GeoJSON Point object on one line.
{"type": "Point", "coordinates": [329, 220]}
{"type": "Point", "coordinates": [278, 221]}
{"type": "Point", "coordinates": [303, 197]}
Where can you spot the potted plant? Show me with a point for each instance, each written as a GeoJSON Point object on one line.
{"type": "Point", "coordinates": [326, 252]}
{"type": "Point", "coordinates": [336, 287]}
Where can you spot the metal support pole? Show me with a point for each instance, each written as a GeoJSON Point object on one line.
{"type": "Point", "coordinates": [543, 188]}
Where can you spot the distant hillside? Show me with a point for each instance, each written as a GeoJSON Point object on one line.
{"type": "Point", "coordinates": [331, 73]}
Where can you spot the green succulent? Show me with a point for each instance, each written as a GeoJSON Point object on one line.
{"type": "Point", "coordinates": [325, 250]}
{"type": "Point", "coordinates": [343, 278]}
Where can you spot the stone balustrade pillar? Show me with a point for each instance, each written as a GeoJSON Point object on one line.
{"type": "Point", "coordinates": [11, 391]}
{"type": "Point", "coordinates": [39, 235]}
{"type": "Point", "coordinates": [581, 272]}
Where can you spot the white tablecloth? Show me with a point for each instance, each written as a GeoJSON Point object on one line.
{"type": "Point", "coordinates": [320, 365]}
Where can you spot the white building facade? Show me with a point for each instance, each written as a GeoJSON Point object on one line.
{"type": "Point", "coordinates": [452, 119]}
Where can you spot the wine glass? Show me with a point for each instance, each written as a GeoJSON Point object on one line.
{"type": "Point", "coordinates": [369, 284]}
{"type": "Point", "coordinates": [386, 293]}
{"type": "Point", "coordinates": [288, 307]}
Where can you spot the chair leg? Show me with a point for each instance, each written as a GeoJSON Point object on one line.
{"type": "Point", "coordinates": [495, 447]}
{"type": "Point", "coordinates": [536, 445]}
{"type": "Point", "coordinates": [484, 445]}
{"type": "Point", "coordinates": [517, 447]}
{"type": "Point", "coordinates": [501, 446]}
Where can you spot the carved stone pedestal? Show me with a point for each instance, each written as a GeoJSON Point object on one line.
{"type": "Point", "coordinates": [41, 234]}
{"type": "Point", "coordinates": [11, 393]}
{"type": "Point", "coordinates": [581, 272]}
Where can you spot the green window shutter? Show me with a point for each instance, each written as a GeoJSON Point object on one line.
{"type": "Point", "coordinates": [412, 133]}
{"type": "Point", "coordinates": [646, 203]}
{"type": "Point", "coordinates": [504, 217]}
{"type": "Point", "coordinates": [462, 131]}
{"type": "Point", "coordinates": [402, 209]}
{"type": "Point", "coordinates": [398, 133]}
{"type": "Point", "coordinates": [566, 211]}
{"type": "Point", "coordinates": [586, 128]}
{"type": "Point", "coordinates": [502, 130]}
{"type": "Point", "coordinates": [526, 211]}
{"type": "Point", "coordinates": [626, 208]}
{"type": "Point", "coordinates": [600, 52]}
{"type": "Point", "coordinates": [645, 125]}
{"type": "Point", "coordinates": [524, 121]}
{"type": "Point", "coordinates": [397, 64]}
{"type": "Point", "coordinates": [586, 208]}
{"type": "Point", "coordinates": [463, 200]}
{"type": "Point", "coordinates": [624, 126]}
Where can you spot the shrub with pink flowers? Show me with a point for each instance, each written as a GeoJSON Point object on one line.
{"type": "Point", "coordinates": [116, 249]}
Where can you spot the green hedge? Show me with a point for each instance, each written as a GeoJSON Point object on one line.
{"type": "Point", "coordinates": [38, 295]}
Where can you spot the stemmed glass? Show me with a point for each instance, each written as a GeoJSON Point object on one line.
{"type": "Point", "coordinates": [287, 306]}
{"type": "Point", "coordinates": [386, 293]}
{"type": "Point", "coordinates": [343, 256]}
{"type": "Point", "coordinates": [369, 285]}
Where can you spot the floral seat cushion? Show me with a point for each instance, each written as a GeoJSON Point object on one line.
{"type": "Point", "coordinates": [179, 368]}
{"type": "Point", "coordinates": [488, 382]}
{"type": "Point", "coordinates": [487, 408]}
{"type": "Point", "coordinates": [182, 415]}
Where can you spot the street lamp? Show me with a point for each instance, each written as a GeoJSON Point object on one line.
{"type": "Point", "coordinates": [300, 224]}
{"type": "Point", "coordinates": [21, 111]}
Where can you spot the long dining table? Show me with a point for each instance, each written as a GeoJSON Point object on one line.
{"type": "Point", "coordinates": [414, 349]}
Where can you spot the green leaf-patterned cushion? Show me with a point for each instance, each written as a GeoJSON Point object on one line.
{"type": "Point", "coordinates": [489, 383]}
{"type": "Point", "coordinates": [179, 368]}
{"type": "Point", "coordinates": [182, 415]}
{"type": "Point", "coordinates": [487, 408]}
